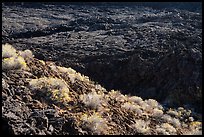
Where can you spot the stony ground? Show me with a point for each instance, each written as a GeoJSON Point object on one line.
{"type": "Point", "coordinates": [40, 98]}
{"type": "Point", "coordinates": [143, 51]}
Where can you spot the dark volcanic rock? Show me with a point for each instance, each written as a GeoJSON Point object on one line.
{"type": "Point", "coordinates": [41, 98]}
{"type": "Point", "coordinates": [151, 52]}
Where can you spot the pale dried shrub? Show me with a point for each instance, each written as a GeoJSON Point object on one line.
{"type": "Point", "coordinates": [142, 126]}
{"type": "Point", "coordinates": [73, 75]}
{"type": "Point", "coordinates": [175, 122]}
{"type": "Point", "coordinates": [92, 100]}
{"type": "Point", "coordinates": [172, 112]}
{"type": "Point", "coordinates": [121, 98]}
{"type": "Point", "coordinates": [157, 112]}
{"type": "Point", "coordinates": [72, 78]}
{"type": "Point", "coordinates": [115, 94]}
{"type": "Point", "coordinates": [193, 132]}
{"type": "Point", "coordinates": [13, 63]}
{"type": "Point", "coordinates": [146, 107]}
{"type": "Point", "coordinates": [166, 118]}
{"type": "Point", "coordinates": [153, 103]}
{"type": "Point", "coordinates": [42, 62]}
{"type": "Point", "coordinates": [66, 70]}
{"type": "Point", "coordinates": [195, 126]}
{"type": "Point", "coordinates": [191, 119]}
{"type": "Point", "coordinates": [79, 77]}
{"type": "Point", "coordinates": [95, 122]}
{"type": "Point", "coordinates": [99, 87]}
{"type": "Point", "coordinates": [160, 107]}
{"type": "Point", "coordinates": [135, 99]}
{"type": "Point", "coordinates": [8, 51]}
{"type": "Point", "coordinates": [57, 88]}
{"type": "Point", "coordinates": [53, 67]}
{"type": "Point", "coordinates": [71, 71]}
{"type": "Point", "coordinates": [132, 107]}
{"type": "Point", "coordinates": [10, 59]}
{"type": "Point", "coordinates": [169, 128]}
{"type": "Point", "coordinates": [26, 54]}
{"type": "Point", "coordinates": [161, 131]}
{"type": "Point", "coordinates": [184, 125]}
{"type": "Point", "coordinates": [180, 109]}
{"type": "Point", "coordinates": [38, 83]}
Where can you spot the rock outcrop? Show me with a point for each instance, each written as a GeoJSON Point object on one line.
{"type": "Point", "coordinates": [147, 50]}
{"type": "Point", "coordinates": [41, 98]}
{"type": "Point", "coordinates": [136, 48]}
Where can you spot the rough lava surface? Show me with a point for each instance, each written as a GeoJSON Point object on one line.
{"type": "Point", "coordinates": [154, 53]}
{"type": "Point", "coordinates": [41, 98]}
